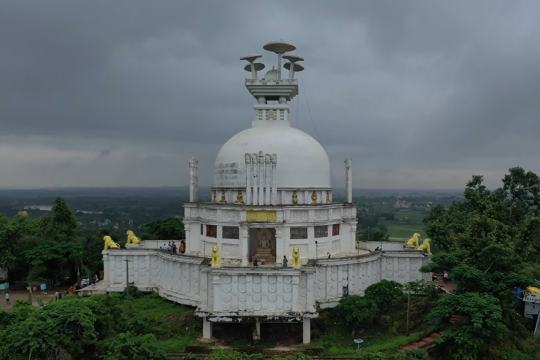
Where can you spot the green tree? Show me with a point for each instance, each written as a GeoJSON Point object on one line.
{"type": "Point", "coordinates": [380, 233]}
{"type": "Point", "coordinates": [167, 229]}
{"type": "Point", "coordinates": [357, 311]}
{"type": "Point", "coordinates": [480, 326]}
{"type": "Point", "coordinates": [385, 294]}
{"type": "Point", "coordinates": [59, 252]}
{"type": "Point", "coordinates": [61, 225]}
{"type": "Point", "coordinates": [16, 235]}
{"type": "Point", "coordinates": [128, 346]}
{"type": "Point", "coordinates": [60, 327]}
{"type": "Point", "coordinates": [490, 243]}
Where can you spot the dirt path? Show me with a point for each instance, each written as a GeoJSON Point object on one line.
{"type": "Point", "coordinates": [22, 295]}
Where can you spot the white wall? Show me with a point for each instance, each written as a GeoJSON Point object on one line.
{"type": "Point", "coordinates": [249, 291]}
{"type": "Point", "coordinates": [386, 245]}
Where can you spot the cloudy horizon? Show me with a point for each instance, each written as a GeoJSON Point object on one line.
{"type": "Point", "coordinates": [420, 94]}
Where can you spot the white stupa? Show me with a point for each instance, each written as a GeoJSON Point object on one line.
{"type": "Point", "coordinates": [272, 189]}
{"type": "Point", "coordinates": [271, 197]}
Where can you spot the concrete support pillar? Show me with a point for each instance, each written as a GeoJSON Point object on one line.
{"type": "Point", "coordinates": [348, 179]}
{"type": "Point", "coordinates": [193, 180]}
{"type": "Point", "coordinates": [207, 329]}
{"type": "Point", "coordinates": [257, 330]}
{"type": "Point", "coordinates": [306, 331]}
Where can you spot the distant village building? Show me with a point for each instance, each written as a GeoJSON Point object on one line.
{"type": "Point", "coordinates": [402, 204]}
{"type": "Point", "coordinates": [272, 245]}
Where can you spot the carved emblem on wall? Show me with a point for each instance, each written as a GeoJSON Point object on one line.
{"type": "Point", "coordinates": [271, 115]}
{"type": "Point", "coordinates": [294, 198]}
{"type": "Point", "coordinates": [222, 200]}
{"type": "Point", "coordinates": [314, 198]}
{"type": "Point", "coordinates": [261, 216]}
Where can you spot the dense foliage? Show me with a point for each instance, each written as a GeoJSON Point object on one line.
{"type": "Point", "coordinates": [113, 327]}
{"type": "Point", "coordinates": [384, 306]}
{"type": "Point", "coordinates": [166, 229]}
{"type": "Point", "coordinates": [51, 248]}
{"type": "Point", "coordinates": [54, 248]}
{"type": "Point", "coordinates": [233, 355]}
{"type": "Point", "coordinates": [128, 346]}
{"type": "Point", "coordinates": [489, 243]}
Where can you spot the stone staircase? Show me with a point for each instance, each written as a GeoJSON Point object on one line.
{"type": "Point", "coordinates": [425, 342]}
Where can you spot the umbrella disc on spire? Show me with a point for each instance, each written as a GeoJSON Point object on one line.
{"type": "Point", "coordinates": [279, 47]}
{"type": "Point", "coordinates": [258, 67]}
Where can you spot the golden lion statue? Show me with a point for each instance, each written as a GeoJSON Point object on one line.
{"type": "Point", "coordinates": [216, 258]}
{"type": "Point", "coordinates": [426, 246]}
{"type": "Point", "coordinates": [132, 238]}
{"type": "Point", "coordinates": [533, 290]}
{"type": "Point", "coordinates": [109, 243]}
{"type": "Point", "coordinates": [295, 257]}
{"type": "Point", "coordinates": [413, 242]}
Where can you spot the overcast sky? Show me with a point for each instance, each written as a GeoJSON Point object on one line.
{"type": "Point", "coordinates": [421, 94]}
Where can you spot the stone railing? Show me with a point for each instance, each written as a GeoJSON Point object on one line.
{"type": "Point", "coordinates": [250, 291]}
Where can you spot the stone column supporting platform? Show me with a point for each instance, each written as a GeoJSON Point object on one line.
{"type": "Point", "coordinates": [207, 329]}
{"type": "Point", "coordinates": [257, 330]}
{"type": "Point", "coordinates": [306, 331]}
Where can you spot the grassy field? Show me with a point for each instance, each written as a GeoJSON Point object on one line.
{"type": "Point", "coordinates": [398, 231]}
{"type": "Point", "coordinates": [375, 342]}
{"type": "Point", "coordinates": [405, 223]}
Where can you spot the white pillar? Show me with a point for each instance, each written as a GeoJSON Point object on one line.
{"type": "Point", "coordinates": [267, 178]}
{"type": "Point", "coordinates": [193, 180]}
{"type": "Point", "coordinates": [207, 329]}
{"type": "Point", "coordinates": [257, 330]}
{"type": "Point", "coordinates": [187, 231]}
{"type": "Point", "coordinates": [274, 180]}
{"type": "Point", "coordinates": [260, 166]}
{"type": "Point", "coordinates": [306, 331]}
{"type": "Point", "coordinates": [249, 178]}
{"type": "Point", "coordinates": [255, 177]}
{"type": "Point", "coordinates": [244, 244]}
{"type": "Point", "coordinates": [106, 266]}
{"type": "Point", "coordinates": [348, 179]}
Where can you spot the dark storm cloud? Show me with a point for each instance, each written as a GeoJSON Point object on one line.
{"type": "Point", "coordinates": [418, 93]}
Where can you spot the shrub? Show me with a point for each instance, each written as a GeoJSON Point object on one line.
{"type": "Point", "coordinates": [385, 294]}
{"type": "Point", "coordinates": [411, 355]}
{"type": "Point", "coordinates": [127, 346]}
{"type": "Point", "coordinates": [356, 310]}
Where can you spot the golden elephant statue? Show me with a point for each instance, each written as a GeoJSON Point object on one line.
{"type": "Point", "coordinates": [108, 243]}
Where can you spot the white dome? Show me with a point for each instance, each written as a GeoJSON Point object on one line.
{"type": "Point", "coordinates": [302, 162]}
